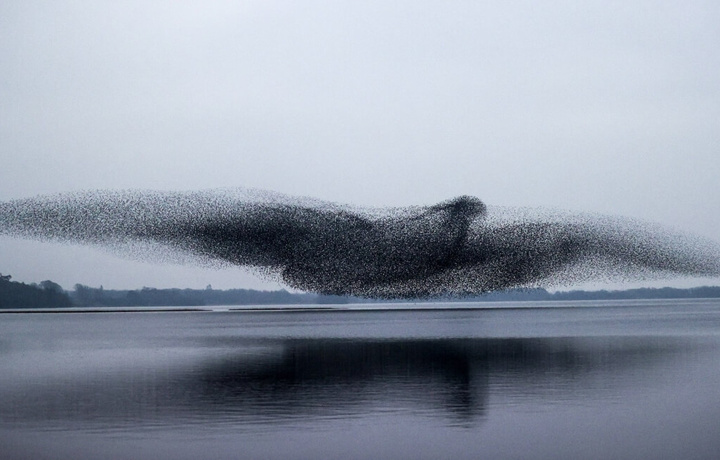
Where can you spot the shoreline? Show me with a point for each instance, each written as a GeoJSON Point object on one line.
{"type": "Point", "coordinates": [390, 307]}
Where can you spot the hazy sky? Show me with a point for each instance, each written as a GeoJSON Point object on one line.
{"type": "Point", "coordinates": [594, 106]}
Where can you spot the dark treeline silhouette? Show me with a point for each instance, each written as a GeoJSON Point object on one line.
{"type": "Point", "coordinates": [629, 294]}
{"type": "Point", "coordinates": [48, 294]}
{"type": "Point", "coordinates": [642, 293]}
{"type": "Point", "coordinates": [85, 296]}
{"type": "Point", "coordinates": [20, 295]}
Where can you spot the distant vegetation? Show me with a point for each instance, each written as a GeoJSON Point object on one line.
{"type": "Point", "coordinates": [20, 295]}
{"type": "Point", "coordinates": [629, 294]}
{"type": "Point", "coordinates": [48, 294]}
{"type": "Point", "coordinates": [85, 296]}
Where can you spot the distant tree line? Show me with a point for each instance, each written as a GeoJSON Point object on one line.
{"type": "Point", "coordinates": [628, 294]}
{"type": "Point", "coordinates": [85, 296]}
{"type": "Point", "coordinates": [703, 292]}
{"type": "Point", "coordinates": [48, 294]}
{"type": "Point", "coordinates": [20, 295]}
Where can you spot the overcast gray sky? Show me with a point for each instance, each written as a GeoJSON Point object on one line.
{"type": "Point", "coordinates": [593, 106]}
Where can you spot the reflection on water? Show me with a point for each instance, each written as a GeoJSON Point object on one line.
{"type": "Point", "coordinates": [281, 381]}
{"type": "Point", "coordinates": [332, 377]}
{"type": "Point", "coordinates": [169, 373]}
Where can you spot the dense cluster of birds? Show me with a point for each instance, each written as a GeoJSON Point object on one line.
{"type": "Point", "coordinates": [454, 248]}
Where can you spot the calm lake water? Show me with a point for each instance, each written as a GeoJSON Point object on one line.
{"type": "Point", "coordinates": [584, 380]}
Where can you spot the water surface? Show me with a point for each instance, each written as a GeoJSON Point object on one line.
{"type": "Point", "coordinates": [635, 379]}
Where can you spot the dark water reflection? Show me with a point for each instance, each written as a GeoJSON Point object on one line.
{"type": "Point", "coordinates": [84, 379]}
{"type": "Point", "coordinates": [331, 377]}
{"type": "Point", "coordinates": [281, 381]}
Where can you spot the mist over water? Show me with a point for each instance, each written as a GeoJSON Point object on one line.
{"type": "Point", "coordinates": [457, 247]}
{"type": "Point", "coordinates": [625, 380]}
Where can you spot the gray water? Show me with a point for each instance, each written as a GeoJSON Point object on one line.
{"type": "Point", "coordinates": [620, 380]}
